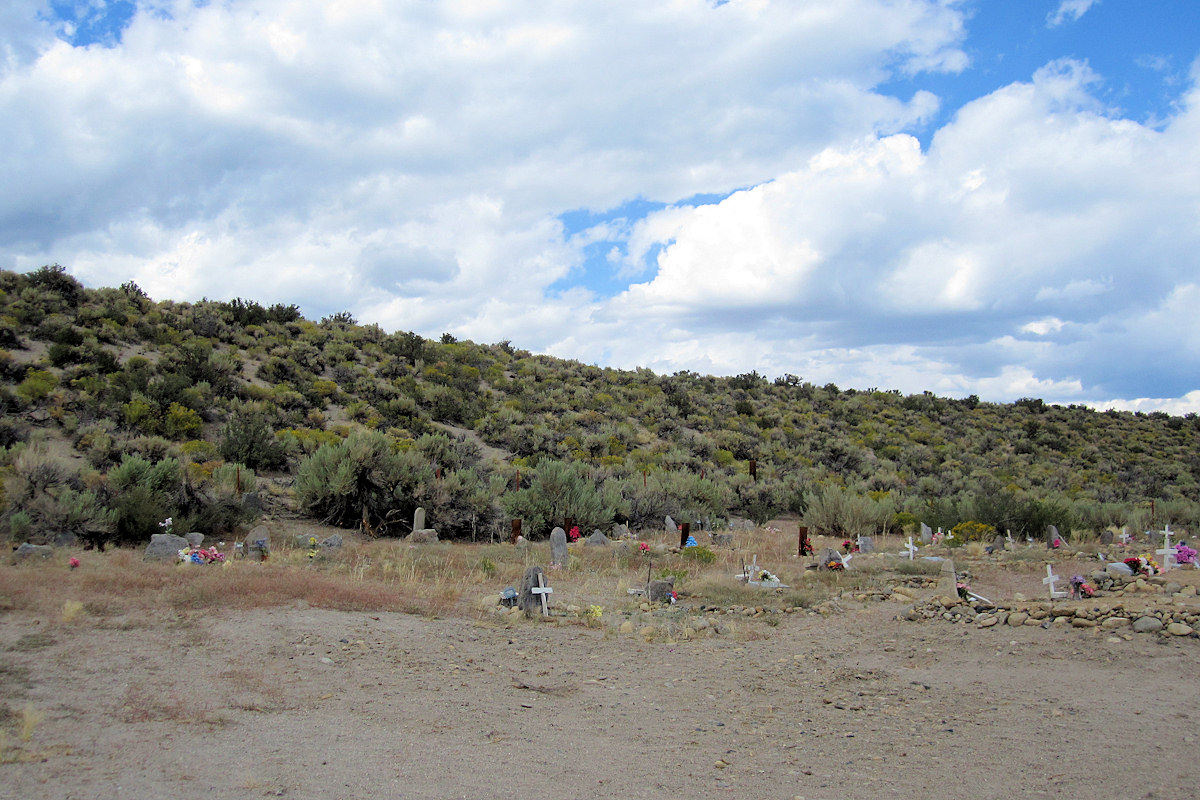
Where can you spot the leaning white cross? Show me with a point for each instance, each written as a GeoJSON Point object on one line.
{"type": "Point", "coordinates": [542, 590]}
{"type": "Point", "coordinates": [846, 560]}
{"type": "Point", "coordinates": [1050, 580]}
{"type": "Point", "coordinates": [1167, 552]}
{"type": "Point", "coordinates": [911, 548]}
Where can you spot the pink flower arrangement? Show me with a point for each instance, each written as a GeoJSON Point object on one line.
{"type": "Point", "coordinates": [1185, 554]}
{"type": "Point", "coordinates": [643, 548]}
{"type": "Point", "coordinates": [73, 563]}
{"type": "Point", "coordinates": [573, 534]}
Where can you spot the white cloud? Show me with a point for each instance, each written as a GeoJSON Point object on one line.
{"type": "Point", "coordinates": [1069, 11]}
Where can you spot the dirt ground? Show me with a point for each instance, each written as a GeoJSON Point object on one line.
{"type": "Point", "coordinates": [307, 703]}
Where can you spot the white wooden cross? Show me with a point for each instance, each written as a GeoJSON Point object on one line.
{"type": "Point", "coordinates": [1125, 537]}
{"type": "Point", "coordinates": [1167, 552]}
{"type": "Point", "coordinates": [542, 590]}
{"type": "Point", "coordinates": [1008, 538]}
{"type": "Point", "coordinates": [911, 548]}
{"type": "Point", "coordinates": [846, 560]}
{"type": "Point", "coordinates": [1050, 580]}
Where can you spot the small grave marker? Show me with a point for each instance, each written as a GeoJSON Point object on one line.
{"type": "Point", "coordinates": [1050, 580]}
{"type": "Point", "coordinates": [846, 560]}
{"type": "Point", "coordinates": [911, 548]}
{"type": "Point", "coordinates": [806, 548]}
{"type": "Point", "coordinates": [541, 590]}
{"type": "Point", "coordinates": [1167, 552]}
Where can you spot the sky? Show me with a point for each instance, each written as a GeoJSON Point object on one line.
{"type": "Point", "coordinates": [956, 196]}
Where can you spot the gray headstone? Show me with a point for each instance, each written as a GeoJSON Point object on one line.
{"type": "Point", "coordinates": [827, 557]}
{"type": "Point", "coordinates": [621, 531]}
{"type": "Point", "coordinates": [998, 542]}
{"type": "Point", "coordinates": [529, 602]}
{"type": "Point", "coordinates": [332, 542]}
{"type": "Point", "coordinates": [559, 554]}
{"type": "Point", "coordinates": [1052, 534]}
{"type": "Point", "coordinates": [926, 534]}
{"type": "Point", "coordinates": [164, 547]}
{"type": "Point", "coordinates": [660, 591]}
{"type": "Point", "coordinates": [1106, 537]}
{"type": "Point", "coordinates": [28, 550]}
{"type": "Point", "coordinates": [257, 544]}
{"type": "Point", "coordinates": [1118, 569]}
{"type": "Point", "coordinates": [866, 544]}
{"type": "Point", "coordinates": [419, 519]}
{"type": "Point", "coordinates": [194, 539]}
{"type": "Point", "coordinates": [670, 524]}
{"type": "Point", "coordinates": [597, 538]}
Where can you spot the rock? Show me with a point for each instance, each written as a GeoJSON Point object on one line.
{"type": "Point", "coordinates": [722, 539]}
{"type": "Point", "coordinates": [1083, 622]}
{"type": "Point", "coordinates": [422, 536]}
{"type": "Point", "coordinates": [64, 539]}
{"type": "Point", "coordinates": [1106, 537]}
{"type": "Point", "coordinates": [660, 591]}
{"type": "Point", "coordinates": [646, 632]}
{"type": "Point", "coordinates": [332, 542]}
{"type": "Point", "coordinates": [1112, 623]}
{"type": "Point", "coordinates": [194, 539]}
{"type": "Point", "coordinates": [627, 626]}
{"type": "Point", "coordinates": [1179, 629]}
{"type": "Point", "coordinates": [827, 557]}
{"type": "Point", "coordinates": [988, 621]}
{"type": "Point", "coordinates": [527, 601]}
{"type": "Point", "coordinates": [27, 551]}
{"type": "Point", "coordinates": [1147, 624]}
{"type": "Point", "coordinates": [670, 525]}
{"type": "Point", "coordinates": [257, 543]}
{"type": "Point", "coordinates": [1118, 569]}
{"type": "Point", "coordinates": [164, 547]}
{"type": "Point", "coordinates": [560, 555]}
{"type": "Point", "coordinates": [1017, 618]}
{"type": "Point", "coordinates": [597, 539]}
{"type": "Point", "coordinates": [621, 531]}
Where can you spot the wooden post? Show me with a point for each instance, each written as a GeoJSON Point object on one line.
{"type": "Point", "coordinates": [806, 547]}
{"type": "Point", "coordinates": [568, 523]}
{"type": "Point", "coordinates": [754, 469]}
{"type": "Point", "coordinates": [685, 530]}
{"type": "Point", "coordinates": [516, 531]}
{"type": "Point", "coordinates": [643, 479]}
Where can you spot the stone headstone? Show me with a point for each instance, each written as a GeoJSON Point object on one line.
{"type": "Point", "coordinates": [332, 542]}
{"type": "Point", "coordinates": [1052, 534]}
{"type": "Point", "coordinates": [948, 580]}
{"type": "Point", "coordinates": [866, 544]}
{"type": "Point", "coordinates": [621, 531]}
{"type": "Point", "coordinates": [926, 534]}
{"type": "Point", "coordinates": [827, 557]}
{"type": "Point", "coordinates": [659, 591]}
{"type": "Point", "coordinates": [27, 551]}
{"type": "Point", "coordinates": [194, 539]}
{"type": "Point", "coordinates": [670, 525]}
{"type": "Point", "coordinates": [1118, 569]}
{"type": "Point", "coordinates": [559, 554]}
{"type": "Point", "coordinates": [419, 519]}
{"type": "Point", "coordinates": [597, 539]}
{"type": "Point", "coordinates": [527, 600]}
{"type": "Point", "coordinates": [164, 547]}
{"type": "Point", "coordinates": [258, 543]}
{"type": "Point", "coordinates": [1106, 537]}
{"type": "Point", "coordinates": [998, 542]}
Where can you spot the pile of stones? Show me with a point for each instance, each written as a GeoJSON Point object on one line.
{"type": "Point", "coordinates": [1113, 617]}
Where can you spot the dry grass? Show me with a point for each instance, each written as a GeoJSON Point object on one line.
{"type": "Point", "coordinates": [442, 579]}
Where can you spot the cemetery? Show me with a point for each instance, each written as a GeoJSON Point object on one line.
{"type": "Point", "coordinates": [769, 660]}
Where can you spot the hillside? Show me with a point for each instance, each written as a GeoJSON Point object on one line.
{"type": "Point", "coordinates": [119, 412]}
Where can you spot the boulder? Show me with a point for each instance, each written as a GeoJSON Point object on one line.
{"type": "Point", "coordinates": [1147, 624]}
{"type": "Point", "coordinates": [660, 591]}
{"type": "Point", "coordinates": [332, 542]}
{"type": "Point", "coordinates": [164, 547]}
{"type": "Point", "coordinates": [422, 536]}
{"type": "Point", "coordinates": [827, 557]}
{"type": "Point", "coordinates": [27, 551]}
{"type": "Point", "coordinates": [194, 539]}
{"type": "Point", "coordinates": [1118, 569]}
{"type": "Point", "coordinates": [597, 539]}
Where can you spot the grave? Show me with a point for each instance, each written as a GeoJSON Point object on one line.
{"type": "Point", "coordinates": [420, 534]}
{"type": "Point", "coordinates": [661, 591]}
{"type": "Point", "coordinates": [1050, 580]}
{"type": "Point", "coordinates": [1106, 537]}
{"type": "Point", "coordinates": [528, 599]}
{"type": "Point", "coordinates": [948, 579]}
{"type": "Point", "coordinates": [1167, 552]}
{"type": "Point", "coordinates": [911, 548]}
{"type": "Point", "coordinates": [806, 547]}
{"type": "Point", "coordinates": [866, 544]}
{"type": "Point", "coordinates": [597, 539]}
{"type": "Point", "coordinates": [560, 556]}
{"type": "Point", "coordinates": [926, 535]}
{"type": "Point", "coordinates": [670, 525]}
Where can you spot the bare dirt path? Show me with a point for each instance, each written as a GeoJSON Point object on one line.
{"type": "Point", "coordinates": [305, 703]}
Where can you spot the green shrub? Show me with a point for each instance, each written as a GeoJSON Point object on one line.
{"type": "Point", "coordinates": [701, 554]}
